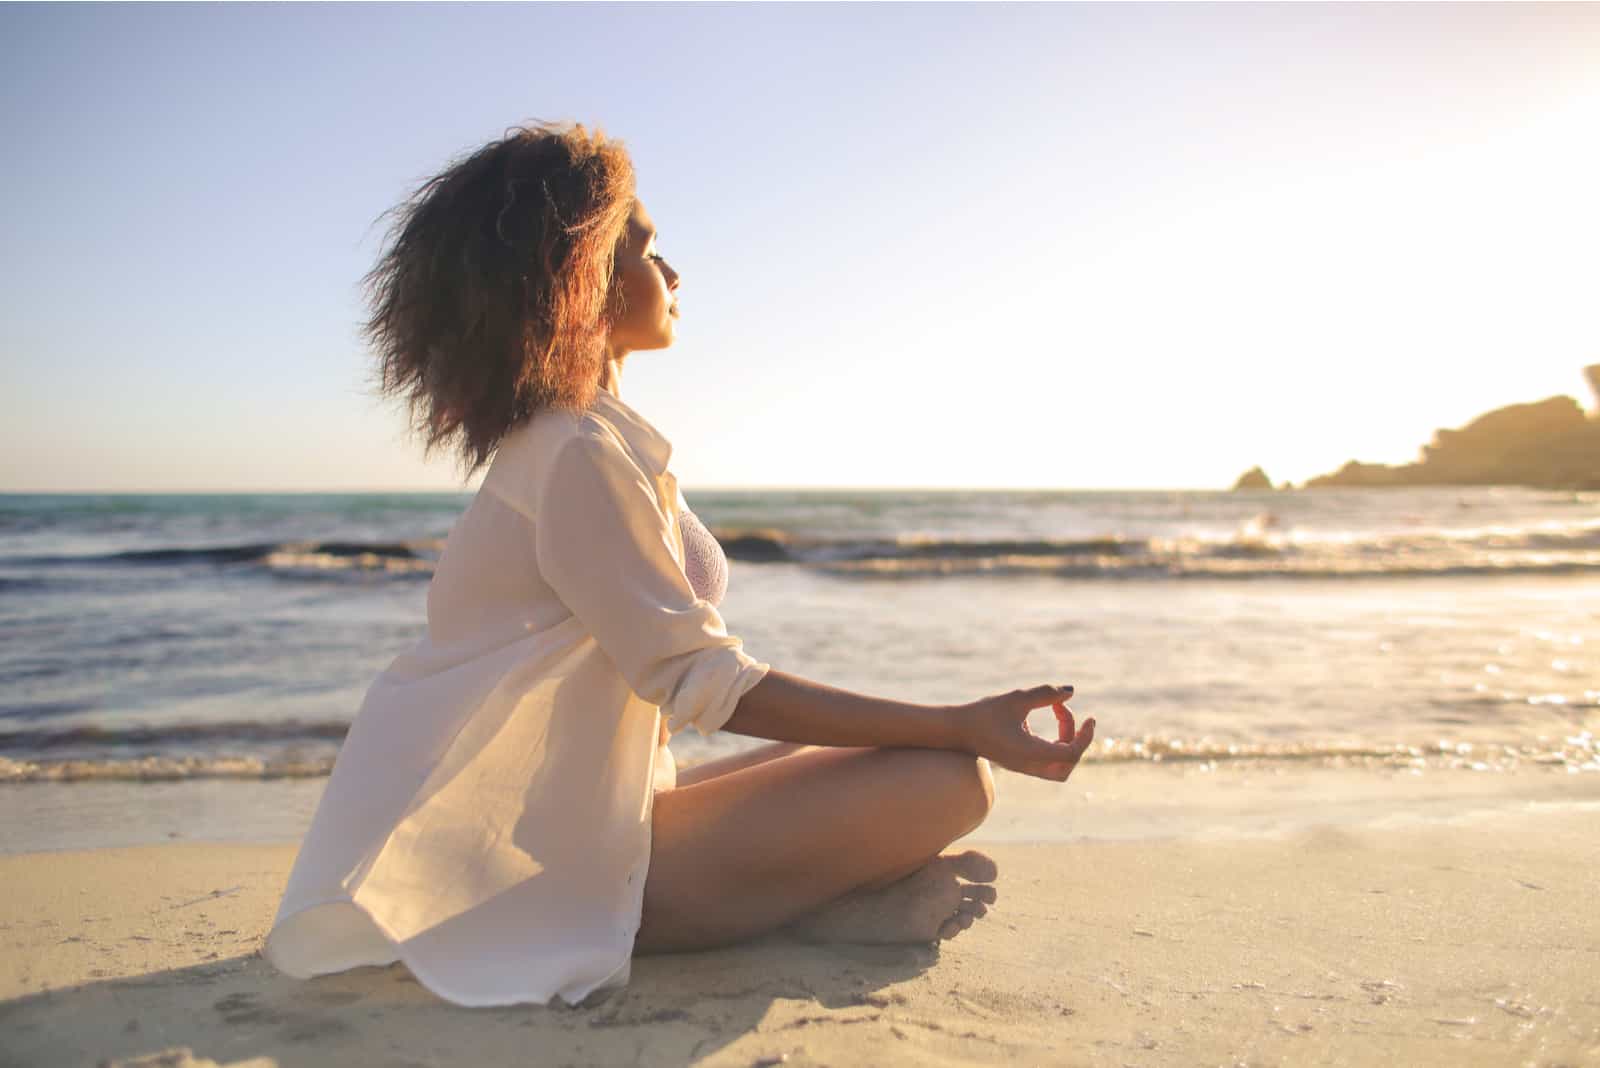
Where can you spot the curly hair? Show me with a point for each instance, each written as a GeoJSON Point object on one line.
{"type": "Point", "coordinates": [491, 300]}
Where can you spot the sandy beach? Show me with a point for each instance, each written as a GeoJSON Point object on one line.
{"type": "Point", "coordinates": [1239, 915]}
{"type": "Point", "coordinates": [1232, 365]}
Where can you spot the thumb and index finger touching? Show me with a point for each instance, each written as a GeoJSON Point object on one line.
{"type": "Point", "coordinates": [1056, 697]}
{"type": "Point", "coordinates": [1054, 759]}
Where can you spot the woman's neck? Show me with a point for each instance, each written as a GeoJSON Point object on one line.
{"type": "Point", "coordinates": [611, 375]}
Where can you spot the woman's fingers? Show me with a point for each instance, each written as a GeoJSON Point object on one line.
{"type": "Point", "coordinates": [1039, 696]}
{"type": "Point", "coordinates": [1083, 739]}
{"type": "Point", "coordinates": [1036, 755]}
{"type": "Point", "coordinates": [1079, 746]}
{"type": "Point", "coordinates": [1065, 727]}
{"type": "Point", "coordinates": [1056, 760]}
{"type": "Point", "coordinates": [1041, 751]}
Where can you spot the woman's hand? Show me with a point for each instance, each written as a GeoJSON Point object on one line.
{"type": "Point", "coordinates": [997, 728]}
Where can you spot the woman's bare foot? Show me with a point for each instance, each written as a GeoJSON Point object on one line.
{"type": "Point", "coordinates": [931, 903]}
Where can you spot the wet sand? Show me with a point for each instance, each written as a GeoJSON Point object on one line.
{"type": "Point", "coordinates": [1255, 915]}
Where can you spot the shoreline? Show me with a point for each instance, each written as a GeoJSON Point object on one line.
{"type": "Point", "coordinates": [1104, 801]}
{"type": "Point", "coordinates": [1289, 916]}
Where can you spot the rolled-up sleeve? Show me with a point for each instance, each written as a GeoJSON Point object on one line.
{"type": "Point", "coordinates": [606, 549]}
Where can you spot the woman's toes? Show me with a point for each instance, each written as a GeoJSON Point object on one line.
{"type": "Point", "coordinates": [972, 908]}
{"type": "Point", "coordinates": [955, 925]}
{"type": "Point", "coordinates": [980, 892]}
{"type": "Point", "coordinates": [975, 867]}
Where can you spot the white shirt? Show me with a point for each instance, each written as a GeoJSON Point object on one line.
{"type": "Point", "coordinates": [487, 820]}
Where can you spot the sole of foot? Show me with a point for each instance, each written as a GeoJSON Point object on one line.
{"type": "Point", "coordinates": [937, 901]}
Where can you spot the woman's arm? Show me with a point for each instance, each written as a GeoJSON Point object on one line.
{"type": "Point", "coordinates": [788, 708]}
{"type": "Point", "coordinates": [606, 549]}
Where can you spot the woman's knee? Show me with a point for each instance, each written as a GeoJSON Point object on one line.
{"type": "Point", "coordinates": [985, 786]}
{"type": "Point", "coordinates": [962, 784]}
{"type": "Point", "coordinates": [983, 794]}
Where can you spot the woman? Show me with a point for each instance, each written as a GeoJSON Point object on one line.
{"type": "Point", "coordinates": [504, 814]}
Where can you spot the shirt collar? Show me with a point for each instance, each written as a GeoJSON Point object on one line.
{"type": "Point", "coordinates": [651, 445]}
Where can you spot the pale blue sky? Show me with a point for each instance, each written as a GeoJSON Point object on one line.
{"type": "Point", "coordinates": [1007, 245]}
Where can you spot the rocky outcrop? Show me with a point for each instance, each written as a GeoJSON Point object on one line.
{"type": "Point", "coordinates": [1356, 473]}
{"type": "Point", "coordinates": [1253, 479]}
{"type": "Point", "coordinates": [1549, 444]}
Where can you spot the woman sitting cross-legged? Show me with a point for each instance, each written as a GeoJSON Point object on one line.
{"type": "Point", "coordinates": [505, 815]}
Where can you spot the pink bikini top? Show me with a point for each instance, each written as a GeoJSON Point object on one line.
{"type": "Point", "coordinates": [703, 559]}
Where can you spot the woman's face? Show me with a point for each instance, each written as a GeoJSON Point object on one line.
{"type": "Point", "coordinates": [648, 317]}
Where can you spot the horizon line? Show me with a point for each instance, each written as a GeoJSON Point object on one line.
{"type": "Point", "coordinates": [469, 490]}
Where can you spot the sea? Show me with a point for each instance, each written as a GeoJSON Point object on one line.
{"type": "Point", "coordinates": [186, 665]}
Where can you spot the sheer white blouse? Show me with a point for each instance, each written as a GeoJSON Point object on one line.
{"type": "Point", "coordinates": [487, 820]}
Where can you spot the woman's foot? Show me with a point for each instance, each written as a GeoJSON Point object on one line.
{"type": "Point", "coordinates": [929, 904]}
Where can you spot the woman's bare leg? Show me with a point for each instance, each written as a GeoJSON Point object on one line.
{"type": "Point", "coordinates": [747, 852]}
{"type": "Point", "coordinates": [739, 761]}
{"type": "Point", "coordinates": [761, 754]}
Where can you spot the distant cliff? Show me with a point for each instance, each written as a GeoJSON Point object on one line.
{"type": "Point", "coordinates": [1549, 444]}
{"type": "Point", "coordinates": [1253, 479]}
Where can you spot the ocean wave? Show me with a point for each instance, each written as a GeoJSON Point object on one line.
{"type": "Point", "coordinates": [175, 734]}
{"type": "Point", "coordinates": [1573, 754]}
{"type": "Point", "coordinates": [1258, 548]}
{"type": "Point", "coordinates": [403, 557]}
{"type": "Point", "coordinates": [162, 769]}
{"type": "Point", "coordinates": [1155, 567]}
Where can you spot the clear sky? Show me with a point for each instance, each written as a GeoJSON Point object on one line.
{"type": "Point", "coordinates": [948, 245]}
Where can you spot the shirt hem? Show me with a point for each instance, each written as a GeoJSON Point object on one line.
{"type": "Point", "coordinates": [428, 978]}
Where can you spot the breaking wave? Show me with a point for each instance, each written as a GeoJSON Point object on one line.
{"type": "Point", "coordinates": [1257, 549]}
{"type": "Point", "coordinates": [1575, 753]}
